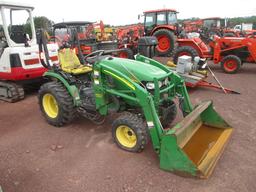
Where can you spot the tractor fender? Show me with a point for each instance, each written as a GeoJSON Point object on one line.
{"type": "Point", "coordinates": [167, 27]}
{"type": "Point", "coordinates": [72, 89]}
{"type": "Point", "coordinates": [200, 47]}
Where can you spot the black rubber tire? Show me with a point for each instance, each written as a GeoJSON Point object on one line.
{"type": "Point", "coordinates": [138, 126]}
{"type": "Point", "coordinates": [168, 118]}
{"type": "Point", "coordinates": [189, 50]}
{"type": "Point", "coordinates": [129, 53]}
{"type": "Point", "coordinates": [64, 100]}
{"type": "Point", "coordinates": [233, 58]}
{"type": "Point", "coordinates": [172, 39]}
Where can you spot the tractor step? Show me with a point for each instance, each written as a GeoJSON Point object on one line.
{"type": "Point", "coordinates": [11, 92]}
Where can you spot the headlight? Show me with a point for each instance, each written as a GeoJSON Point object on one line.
{"type": "Point", "coordinates": [151, 85]}
{"type": "Point", "coordinates": [166, 81]}
{"type": "Point", "coordinates": [160, 84]}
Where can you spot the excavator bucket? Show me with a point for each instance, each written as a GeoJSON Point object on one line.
{"type": "Point", "coordinates": [193, 146]}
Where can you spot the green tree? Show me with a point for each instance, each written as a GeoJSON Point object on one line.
{"type": "Point", "coordinates": [40, 22]}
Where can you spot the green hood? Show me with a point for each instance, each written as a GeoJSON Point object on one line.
{"type": "Point", "coordinates": [142, 71]}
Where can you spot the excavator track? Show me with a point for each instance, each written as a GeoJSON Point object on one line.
{"type": "Point", "coordinates": [11, 92]}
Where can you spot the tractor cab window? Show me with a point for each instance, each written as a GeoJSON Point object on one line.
{"type": "Point", "coordinates": [62, 34]}
{"type": "Point", "coordinates": [211, 23]}
{"type": "Point", "coordinates": [161, 18]}
{"type": "Point", "coordinates": [172, 18]}
{"type": "Point", "coordinates": [218, 23]}
{"type": "Point", "coordinates": [81, 32]}
{"type": "Point", "coordinates": [149, 19]}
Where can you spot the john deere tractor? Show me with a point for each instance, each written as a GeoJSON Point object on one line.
{"type": "Point", "coordinates": [142, 92]}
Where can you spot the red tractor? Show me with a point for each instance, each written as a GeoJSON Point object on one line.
{"type": "Point", "coordinates": [128, 37]}
{"type": "Point", "coordinates": [162, 24]}
{"type": "Point", "coordinates": [231, 52]}
{"type": "Point", "coordinates": [192, 26]}
{"type": "Point", "coordinates": [209, 26]}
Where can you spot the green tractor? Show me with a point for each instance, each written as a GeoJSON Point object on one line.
{"type": "Point", "coordinates": [142, 92]}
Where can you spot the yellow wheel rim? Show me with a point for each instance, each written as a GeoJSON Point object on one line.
{"type": "Point", "coordinates": [126, 136]}
{"type": "Point", "coordinates": [50, 105]}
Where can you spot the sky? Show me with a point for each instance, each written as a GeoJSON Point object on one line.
{"type": "Point", "coordinates": [117, 12]}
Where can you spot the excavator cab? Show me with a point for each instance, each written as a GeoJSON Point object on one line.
{"type": "Point", "coordinates": [19, 55]}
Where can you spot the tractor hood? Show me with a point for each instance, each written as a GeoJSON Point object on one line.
{"type": "Point", "coordinates": [142, 71]}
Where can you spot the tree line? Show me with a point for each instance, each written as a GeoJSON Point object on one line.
{"type": "Point", "coordinates": [45, 23]}
{"type": "Point", "coordinates": [231, 22]}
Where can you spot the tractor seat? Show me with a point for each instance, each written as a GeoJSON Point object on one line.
{"type": "Point", "coordinates": [70, 63]}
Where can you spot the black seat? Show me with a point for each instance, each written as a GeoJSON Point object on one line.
{"type": "Point", "coordinates": [17, 34]}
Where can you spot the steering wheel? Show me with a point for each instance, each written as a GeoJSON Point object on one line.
{"type": "Point", "coordinates": [91, 58]}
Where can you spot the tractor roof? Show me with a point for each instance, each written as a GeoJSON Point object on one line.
{"type": "Point", "coordinates": [161, 10]}
{"type": "Point", "coordinates": [15, 5]}
{"type": "Point", "coordinates": [71, 24]}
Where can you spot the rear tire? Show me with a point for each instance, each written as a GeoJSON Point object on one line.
{"type": "Point", "coordinates": [231, 64]}
{"type": "Point", "coordinates": [130, 132]}
{"type": "Point", "coordinates": [166, 42]}
{"type": "Point", "coordinates": [184, 50]}
{"type": "Point", "coordinates": [56, 104]}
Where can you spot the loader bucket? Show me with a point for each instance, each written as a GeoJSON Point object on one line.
{"type": "Point", "coordinates": [193, 146]}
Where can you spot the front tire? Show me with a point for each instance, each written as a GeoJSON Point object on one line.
{"type": "Point", "coordinates": [130, 132]}
{"type": "Point", "coordinates": [231, 64]}
{"type": "Point", "coordinates": [56, 104]}
{"type": "Point", "coordinates": [184, 50]}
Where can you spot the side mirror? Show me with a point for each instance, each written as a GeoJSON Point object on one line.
{"type": "Point", "coordinates": [138, 17]}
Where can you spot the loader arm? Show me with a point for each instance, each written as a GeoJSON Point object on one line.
{"type": "Point", "coordinates": [180, 87]}
{"type": "Point", "coordinates": [139, 95]}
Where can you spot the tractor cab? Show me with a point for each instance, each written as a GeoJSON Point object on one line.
{"type": "Point", "coordinates": [213, 22]}
{"type": "Point", "coordinates": [158, 18]}
{"type": "Point", "coordinates": [213, 25]}
{"type": "Point", "coordinates": [162, 24]}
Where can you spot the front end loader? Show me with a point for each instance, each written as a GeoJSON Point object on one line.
{"type": "Point", "coordinates": [142, 92]}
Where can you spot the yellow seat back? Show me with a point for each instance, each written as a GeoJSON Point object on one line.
{"type": "Point", "coordinates": [70, 63]}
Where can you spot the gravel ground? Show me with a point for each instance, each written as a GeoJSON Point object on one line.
{"type": "Point", "coordinates": [36, 157]}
